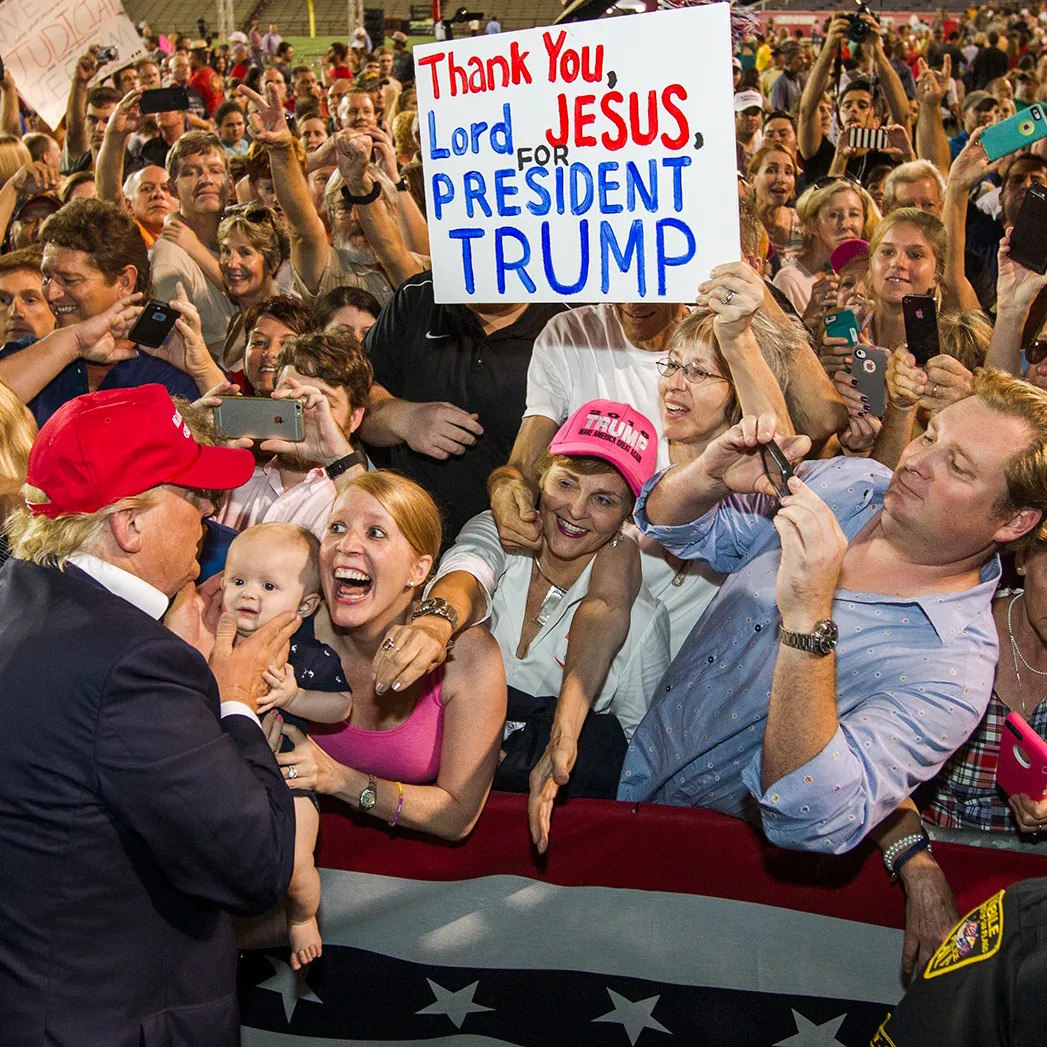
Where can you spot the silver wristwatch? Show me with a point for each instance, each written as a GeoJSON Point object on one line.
{"type": "Point", "coordinates": [821, 641]}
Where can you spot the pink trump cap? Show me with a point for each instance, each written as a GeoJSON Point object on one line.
{"type": "Point", "coordinates": [615, 432]}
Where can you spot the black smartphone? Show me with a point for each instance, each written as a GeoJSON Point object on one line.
{"type": "Point", "coordinates": [163, 100]}
{"type": "Point", "coordinates": [154, 325]}
{"type": "Point", "coordinates": [1029, 235]}
{"type": "Point", "coordinates": [777, 467]}
{"type": "Point", "coordinates": [921, 326]}
{"type": "Point", "coordinates": [106, 54]}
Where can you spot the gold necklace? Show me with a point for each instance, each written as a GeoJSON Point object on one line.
{"type": "Point", "coordinates": [1016, 653]}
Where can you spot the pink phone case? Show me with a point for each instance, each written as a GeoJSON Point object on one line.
{"type": "Point", "coordinates": [1023, 760]}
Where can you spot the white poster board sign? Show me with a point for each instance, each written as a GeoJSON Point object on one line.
{"type": "Point", "coordinates": [589, 162]}
{"type": "Point", "coordinates": [40, 41]}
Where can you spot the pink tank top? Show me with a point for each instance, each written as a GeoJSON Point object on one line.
{"type": "Point", "coordinates": [408, 753]}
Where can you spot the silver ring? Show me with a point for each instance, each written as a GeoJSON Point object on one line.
{"type": "Point", "coordinates": [292, 771]}
{"type": "Point", "coordinates": [388, 645]}
{"type": "Point", "coordinates": [728, 297]}
{"type": "Point", "coordinates": [934, 390]}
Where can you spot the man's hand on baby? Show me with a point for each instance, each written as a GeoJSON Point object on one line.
{"type": "Point", "coordinates": [283, 688]}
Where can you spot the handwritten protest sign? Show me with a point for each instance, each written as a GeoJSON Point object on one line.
{"type": "Point", "coordinates": [588, 162]}
{"type": "Point", "coordinates": [42, 39]}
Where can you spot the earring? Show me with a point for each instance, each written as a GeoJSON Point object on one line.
{"type": "Point", "coordinates": [409, 585]}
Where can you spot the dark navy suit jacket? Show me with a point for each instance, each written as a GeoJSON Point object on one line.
{"type": "Point", "coordinates": [132, 820]}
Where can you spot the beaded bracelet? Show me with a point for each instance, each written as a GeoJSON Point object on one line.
{"type": "Point", "coordinates": [399, 803]}
{"type": "Point", "coordinates": [898, 846]}
{"type": "Point", "coordinates": [922, 844]}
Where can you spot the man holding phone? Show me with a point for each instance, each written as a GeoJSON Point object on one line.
{"type": "Point", "coordinates": [851, 649]}
{"type": "Point", "coordinates": [95, 269]}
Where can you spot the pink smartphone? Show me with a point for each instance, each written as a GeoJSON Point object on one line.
{"type": "Point", "coordinates": [1023, 760]}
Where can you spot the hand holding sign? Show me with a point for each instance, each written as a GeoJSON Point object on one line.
{"type": "Point", "coordinates": [548, 178]}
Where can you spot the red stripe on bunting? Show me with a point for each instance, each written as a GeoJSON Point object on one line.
{"type": "Point", "coordinates": [660, 848]}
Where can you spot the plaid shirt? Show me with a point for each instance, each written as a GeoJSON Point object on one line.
{"type": "Point", "coordinates": [968, 796]}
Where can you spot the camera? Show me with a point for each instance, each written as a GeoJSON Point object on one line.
{"type": "Point", "coordinates": [106, 54]}
{"type": "Point", "coordinates": [859, 31]}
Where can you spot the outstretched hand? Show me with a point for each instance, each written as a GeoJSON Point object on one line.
{"type": "Point", "coordinates": [551, 772]}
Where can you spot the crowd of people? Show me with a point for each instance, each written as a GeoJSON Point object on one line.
{"type": "Point", "coordinates": [673, 552]}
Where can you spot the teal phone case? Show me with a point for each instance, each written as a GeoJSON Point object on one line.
{"type": "Point", "coordinates": [843, 324]}
{"type": "Point", "coordinates": [1016, 132]}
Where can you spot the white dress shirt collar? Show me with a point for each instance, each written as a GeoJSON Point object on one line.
{"type": "Point", "coordinates": [123, 584]}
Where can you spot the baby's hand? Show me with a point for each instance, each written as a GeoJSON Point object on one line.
{"type": "Point", "coordinates": [283, 688]}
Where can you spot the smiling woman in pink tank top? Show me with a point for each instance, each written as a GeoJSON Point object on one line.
{"type": "Point", "coordinates": [422, 755]}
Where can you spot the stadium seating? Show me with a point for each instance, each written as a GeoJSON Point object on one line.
{"type": "Point", "coordinates": [292, 16]}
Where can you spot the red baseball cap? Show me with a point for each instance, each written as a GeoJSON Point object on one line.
{"type": "Point", "coordinates": [615, 432]}
{"type": "Point", "coordinates": [105, 446]}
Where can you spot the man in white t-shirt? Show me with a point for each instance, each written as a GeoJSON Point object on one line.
{"type": "Point", "coordinates": [605, 351]}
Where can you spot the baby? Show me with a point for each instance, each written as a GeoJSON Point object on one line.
{"type": "Point", "coordinates": [270, 568]}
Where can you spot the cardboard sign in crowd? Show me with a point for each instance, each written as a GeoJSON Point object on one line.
{"type": "Point", "coordinates": [41, 40]}
{"type": "Point", "coordinates": [589, 162]}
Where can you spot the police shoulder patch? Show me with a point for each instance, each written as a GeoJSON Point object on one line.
{"type": "Point", "coordinates": [976, 937]}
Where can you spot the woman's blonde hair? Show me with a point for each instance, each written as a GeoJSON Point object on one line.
{"type": "Point", "coordinates": [17, 432]}
{"type": "Point", "coordinates": [264, 230]}
{"type": "Point", "coordinates": [965, 336]}
{"type": "Point", "coordinates": [404, 138]}
{"type": "Point", "coordinates": [412, 508]}
{"type": "Point", "coordinates": [929, 225]}
{"type": "Point", "coordinates": [815, 197]}
{"type": "Point", "coordinates": [778, 343]}
{"type": "Point", "coordinates": [14, 154]}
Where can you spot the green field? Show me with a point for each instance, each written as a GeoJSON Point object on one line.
{"type": "Point", "coordinates": [307, 49]}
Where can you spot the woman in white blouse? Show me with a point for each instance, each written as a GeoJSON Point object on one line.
{"type": "Point", "coordinates": [595, 467]}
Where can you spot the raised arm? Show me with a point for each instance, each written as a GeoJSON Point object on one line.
{"type": "Point", "coordinates": [9, 122]}
{"type": "Point", "coordinates": [109, 168]}
{"type": "Point", "coordinates": [76, 141]}
{"type": "Point", "coordinates": [809, 128]}
{"type": "Point", "coordinates": [353, 153]}
{"type": "Point", "coordinates": [890, 84]}
{"type": "Point", "coordinates": [931, 141]}
{"type": "Point", "coordinates": [970, 168]}
{"type": "Point", "coordinates": [309, 248]}
{"type": "Point", "coordinates": [1016, 291]}
{"type": "Point", "coordinates": [754, 382]}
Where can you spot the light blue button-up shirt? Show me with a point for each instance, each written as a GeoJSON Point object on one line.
{"type": "Point", "coordinates": [913, 678]}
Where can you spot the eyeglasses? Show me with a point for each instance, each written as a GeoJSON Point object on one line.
{"type": "Point", "coordinates": [827, 180]}
{"type": "Point", "coordinates": [691, 372]}
{"type": "Point", "coordinates": [777, 467]}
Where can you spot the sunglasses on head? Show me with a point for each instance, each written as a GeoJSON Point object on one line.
{"type": "Point", "coordinates": [254, 213]}
{"type": "Point", "coordinates": [1036, 352]}
{"type": "Point", "coordinates": [826, 180]}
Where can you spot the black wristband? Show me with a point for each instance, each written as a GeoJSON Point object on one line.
{"type": "Point", "coordinates": [922, 844]}
{"type": "Point", "coordinates": [403, 185]}
{"type": "Point", "coordinates": [369, 198]}
{"type": "Point", "coordinates": [343, 465]}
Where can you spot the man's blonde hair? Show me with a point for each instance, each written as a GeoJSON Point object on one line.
{"type": "Point", "coordinates": [1025, 473]}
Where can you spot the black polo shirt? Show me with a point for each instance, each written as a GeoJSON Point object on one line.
{"type": "Point", "coordinates": [424, 352]}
